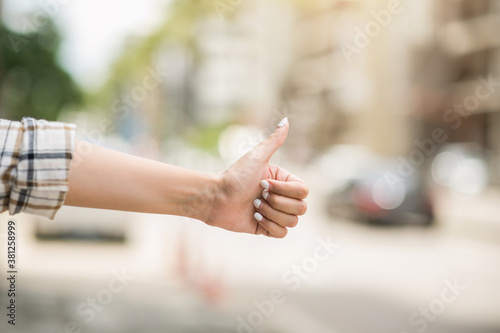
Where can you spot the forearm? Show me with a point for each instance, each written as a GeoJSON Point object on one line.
{"type": "Point", "coordinates": [108, 179]}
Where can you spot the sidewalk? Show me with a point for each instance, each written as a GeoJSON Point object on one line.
{"type": "Point", "coordinates": [474, 218]}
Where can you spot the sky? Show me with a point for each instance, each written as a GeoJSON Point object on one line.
{"type": "Point", "coordinates": [94, 31]}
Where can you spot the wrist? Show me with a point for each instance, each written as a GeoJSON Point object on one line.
{"type": "Point", "coordinates": [205, 200]}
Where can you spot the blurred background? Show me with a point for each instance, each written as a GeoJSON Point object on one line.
{"type": "Point", "coordinates": [394, 110]}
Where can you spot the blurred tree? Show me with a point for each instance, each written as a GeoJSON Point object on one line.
{"type": "Point", "coordinates": [31, 81]}
{"type": "Point", "coordinates": [170, 116]}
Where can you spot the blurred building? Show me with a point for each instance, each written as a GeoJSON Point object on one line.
{"type": "Point", "coordinates": [450, 68]}
{"type": "Point", "coordinates": [266, 60]}
{"type": "Point", "coordinates": [350, 73]}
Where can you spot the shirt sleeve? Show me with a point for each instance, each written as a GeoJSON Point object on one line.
{"type": "Point", "coordinates": [35, 158]}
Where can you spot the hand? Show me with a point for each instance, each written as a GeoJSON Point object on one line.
{"type": "Point", "coordinates": [256, 197]}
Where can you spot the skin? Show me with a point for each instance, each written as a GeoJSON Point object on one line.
{"type": "Point", "coordinates": [103, 178]}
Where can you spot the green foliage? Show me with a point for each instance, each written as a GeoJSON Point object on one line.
{"type": "Point", "coordinates": [31, 81]}
{"type": "Point", "coordinates": [205, 137]}
{"type": "Point", "coordinates": [177, 29]}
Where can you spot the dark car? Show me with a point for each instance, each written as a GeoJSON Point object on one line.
{"type": "Point", "coordinates": [383, 196]}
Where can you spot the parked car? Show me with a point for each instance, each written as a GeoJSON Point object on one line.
{"type": "Point", "coordinates": [379, 194]}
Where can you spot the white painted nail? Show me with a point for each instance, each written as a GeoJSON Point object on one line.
{"type": "Point", "coordinates": [257, 203]}
{"type": "Point", "coordinates": [283, 122]}
{"type": "Point", "coordinates": [264, 184]}
{"type": "Point", "coordinates": [265, 194]}
{"type": "Point", "coordinates": [258, 217]}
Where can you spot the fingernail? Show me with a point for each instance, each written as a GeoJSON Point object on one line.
{"type": "Point", "coordinates": [257, 203]}
{"type": "Point", "coordinates": [283, 122]}
{"type": "Point", "coordinates": [265, 194]}
{"type": "Point", "coordinates": [258, 217]}
{"type": "Point", "coordinates": [264, 184]}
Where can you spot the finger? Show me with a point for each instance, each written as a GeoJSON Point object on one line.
{"type": "Point", "coordinates": [260, 230]}
{"type": "Point", "coordinates": [285, 204]}
{"type": "Point", "coordinates": [269, 146]}
{"type": "Point", "coordinates": [274, 229]}
{"type": "Point", "coordinates": [291, 189]}
{"type": "Point", "coordinates": [278, 217]}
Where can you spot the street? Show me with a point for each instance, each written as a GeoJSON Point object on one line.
{"type": "Point", "coordinates": [327, 276]}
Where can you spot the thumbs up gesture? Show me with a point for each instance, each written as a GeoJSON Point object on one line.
{"type": "Point", "coordinates": [257, 197]}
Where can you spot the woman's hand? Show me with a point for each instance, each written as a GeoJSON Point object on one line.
{"type": "Point", "coordinates": [256, 197]}
{"type": "Point", "coordinates": [252, 196]}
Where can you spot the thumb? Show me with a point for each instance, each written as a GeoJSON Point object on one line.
{"type": "Point", "coordinates": [269, 146]}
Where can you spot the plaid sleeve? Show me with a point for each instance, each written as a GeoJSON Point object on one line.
{"type": "Point", "coordinates": [35, 157]}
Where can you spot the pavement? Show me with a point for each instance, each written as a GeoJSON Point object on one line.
{"type": "Point", "coordinates": [375, 279]}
